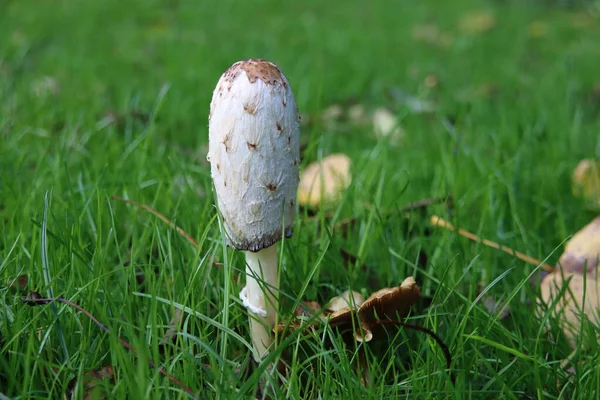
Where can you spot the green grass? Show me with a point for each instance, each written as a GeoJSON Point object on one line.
{"type": "Point", "coordinates": [103, 98]}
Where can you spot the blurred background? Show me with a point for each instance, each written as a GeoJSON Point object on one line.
{"type": "Point", "coordinates": [96, 57]}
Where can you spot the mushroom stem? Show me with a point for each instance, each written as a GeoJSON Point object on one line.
{"type": "Point", "coordinates": [260, 297]}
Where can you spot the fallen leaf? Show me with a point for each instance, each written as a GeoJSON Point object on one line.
{"type": "Point", "coordinates": [586, 182]}
{"type": "Point", "coordinates": [582, 251]}
{"type": "Point", "coordinates": [569, 307]}
{"type": "Point", "coordinates": [477, 22]}
{"type": "Point", "coordinates": [323, 181]}
{"type": "Point", "coordinates": [385, 125]}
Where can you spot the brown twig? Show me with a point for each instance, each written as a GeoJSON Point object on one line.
{"type": "Point", "coordinates": [428, 202]}
{"type": "Point", "coordinates": [345, 224]}
{"type": "Point", "coordinates": [417, 205]}
{"type": "Point", "coordinates": [438, 221]}
{"type": "Point", "coordinates": [162, 217]}
{"type": "Point", "coordinates": [34, 299]}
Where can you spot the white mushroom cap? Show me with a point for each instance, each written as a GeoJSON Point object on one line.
{"type": "Point", "coordinates": [254, 152]}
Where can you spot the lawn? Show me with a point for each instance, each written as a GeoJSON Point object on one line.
{"type": "Point", "coordinates": [111, 98]}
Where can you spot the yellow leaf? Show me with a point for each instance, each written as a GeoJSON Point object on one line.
{"type": "Point", "coordinates": [569, 307]}
{"type": "Point", "coordinates": [477, 22]}
{"type": "Point", "coordinates": [582, 250]}
{"type": "Point", "coordinates": [586, 182]}
{"type": "Point", "coordinates": [325, 180]}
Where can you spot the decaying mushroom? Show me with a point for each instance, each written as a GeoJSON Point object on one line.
{"type": "Point", "coordinates": [360, 320]}
{"type": "Point", "coordinates": [349, 312]}
{"type": "Point", "coordinates": [254, 154]}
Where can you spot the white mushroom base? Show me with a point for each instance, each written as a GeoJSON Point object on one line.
{"type": "Point", "coordinates": [259, 296]}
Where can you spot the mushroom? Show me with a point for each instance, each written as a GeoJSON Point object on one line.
{"type": "Point", "coordinates": [254, 154]}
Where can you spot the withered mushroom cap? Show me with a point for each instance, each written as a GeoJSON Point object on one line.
{"type": "Point", "coordinates": [390, 303]}
{"type": "Point", "coordinates": [361, 318]}
{"type": "Point", "coordinates": [348, 299]}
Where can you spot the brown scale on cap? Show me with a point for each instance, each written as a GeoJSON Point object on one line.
{"type": "Point", "coordinates": [227, 142]}
{"type": "Point", "coordinates": [255, 69]}
{"type": "Point", "coordinates": [250, 108]}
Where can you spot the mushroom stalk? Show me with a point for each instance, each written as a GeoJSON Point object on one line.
{"type": "Point", "coordinates": [260, 297]}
